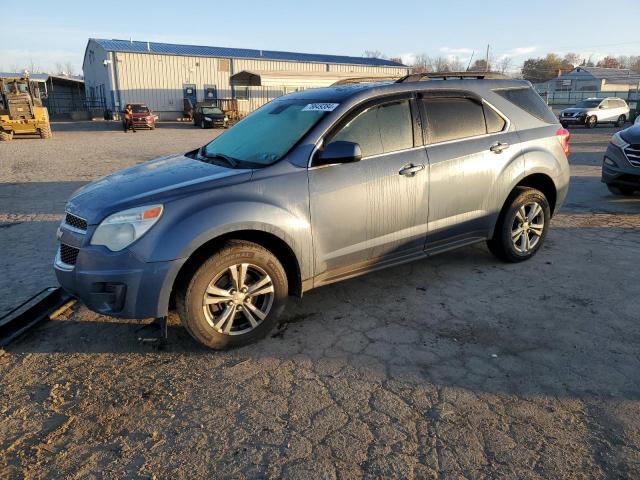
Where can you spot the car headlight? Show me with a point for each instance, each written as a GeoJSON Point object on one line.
{"type": "Point", "coordinates": [226, 119]}
{"type": "Point", "coordinates": [121, 229]}
{"type": "Point", "coordinates": [618, 141]}
{"type": "Point", "coordinates": [208, 119]}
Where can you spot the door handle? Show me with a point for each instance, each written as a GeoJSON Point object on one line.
{"type": "Point", "coordinates": [411, 170]}
{"type": "Point", "coordinates": [499, 147]}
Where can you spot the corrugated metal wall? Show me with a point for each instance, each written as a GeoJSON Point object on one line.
{"type": "Point", "coordinates": [158, 80]}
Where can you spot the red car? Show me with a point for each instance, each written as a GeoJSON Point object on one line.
{"type": "Point", "coordinates": [143, 116]}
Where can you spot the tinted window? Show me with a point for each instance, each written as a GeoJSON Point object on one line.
{"type": "Point", "coordinates": [453, 118]}
{"type": "Point", "coordinates": [380, 129]}
{"type": "Point", "coordinates": [495, 123]}
{"type": "Point", "coordinates": [528, 100]}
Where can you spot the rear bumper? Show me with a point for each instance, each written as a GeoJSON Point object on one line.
{"type": "Point", "coordinates": [118, 283]}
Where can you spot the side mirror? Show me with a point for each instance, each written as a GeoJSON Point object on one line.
{"type": "Point", "coordinates": [339, 152]}
{"type": "Point", "coordinates": [602, 107]}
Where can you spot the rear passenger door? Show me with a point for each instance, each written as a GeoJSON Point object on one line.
{"type": "Point", "coordinates": [469, 145]}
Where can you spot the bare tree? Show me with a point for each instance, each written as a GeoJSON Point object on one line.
{"type": "Point", "coordinates": [455, 64]}
{"type": "Point", "coordinates": [441, 64]}
{"type": "Point", "coordinates": [422, 63]}
{"type": "Point", "coordinates": [70, 69]}
{"type": "Point", "coordinates": [572, 59]}
{"type": "Point", "coordinates": [504, 64]}
{"type": "Point", "coordinates": [373, 54]}
{"type": "Point", "coordinates": [479, 65]}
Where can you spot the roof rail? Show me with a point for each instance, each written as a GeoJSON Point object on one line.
{"type": "Point", "coordinates": [355, 80]}
{"type": "Point", "coordinates": [419, 77]}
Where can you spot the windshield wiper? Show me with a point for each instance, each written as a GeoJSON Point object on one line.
{"type": "Point", "coordinates": [233, 162]}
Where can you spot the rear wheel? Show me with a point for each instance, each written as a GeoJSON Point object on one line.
{"type": "Point", "coordinates": [45, 132]}
{"type": "Point", "coordinates": [5, 136]}
{"type": "Point", "coordinates": [621, 190]}
{"type": "Point", "coordinates": [234, 298]}
{"type": "Point", "coordinates": [522, 226]}
{"type": "Point", "coordinates": [592, 121]}
{"type": "Point", "coordinates": [621, 121]}
{"type": "Point", "coordinates": [564, 124]}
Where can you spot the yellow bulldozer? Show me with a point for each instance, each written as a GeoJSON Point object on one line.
{"type": "Point", "coordinates": [21, 110]}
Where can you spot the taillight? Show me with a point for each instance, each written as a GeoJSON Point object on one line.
{"type": "Point", "coordinates": [563, 136]}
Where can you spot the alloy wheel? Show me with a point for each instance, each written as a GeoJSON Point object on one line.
{"type": "Point", "coordinates": [528, 227]}
{"type": "Point", "coordinates": [238, 299]}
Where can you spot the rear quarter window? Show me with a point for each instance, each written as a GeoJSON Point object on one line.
{"type": "Point", "coordinates": [528, 100]}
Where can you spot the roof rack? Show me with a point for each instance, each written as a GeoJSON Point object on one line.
{"type": "Point", "coordinates": [355, 80]}
{"type": "Point", "coordinates": [419, 77]}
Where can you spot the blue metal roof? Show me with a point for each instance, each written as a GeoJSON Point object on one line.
{"type": "Point", "coordinates": [202, 51]}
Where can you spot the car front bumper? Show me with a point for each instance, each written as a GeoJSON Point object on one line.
{"type": "Point", "coordinates": [622, 173]}
{"type": "Point", "coordinates": [574, 120]}
{"type": "Point", "coordinates": [118, 284]}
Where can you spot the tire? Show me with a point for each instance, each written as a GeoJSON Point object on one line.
{"type": "Point", "coordinates": [6, 136]}
{"type": "Point", "coordinates": [45, 132]}
{"type": "Point", "coordinates": [202, 124]}
{"type": "Point", "coordinates": [564, 124]}
{"type": "Point", "coordinates": [621, 190]}
{"type": "Point", "coordinates": [591, 121]}
{"type": "Point", "coordinates": [621, 121]}
{"type": "Point", "coordinates": [227, 310]}
{"type": "Point", "coordinates": [501, 244]}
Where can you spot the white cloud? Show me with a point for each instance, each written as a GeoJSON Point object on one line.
{"type": "Point", "coordinates": [521, 51]}
{"type": "Point", "coordinates": [456, 51]}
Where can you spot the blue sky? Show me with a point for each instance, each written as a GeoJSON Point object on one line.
{"type": "Point", "coordinates": [58, 32]}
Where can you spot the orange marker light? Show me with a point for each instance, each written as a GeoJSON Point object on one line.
{"type": "Point", "coordinates": [152, 213]}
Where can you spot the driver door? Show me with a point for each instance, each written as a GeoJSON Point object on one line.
{"type": "Point", "coordinates": [372, 212]}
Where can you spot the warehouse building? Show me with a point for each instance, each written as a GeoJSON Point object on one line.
{"type": "Point", "coordinates": [162, 75]}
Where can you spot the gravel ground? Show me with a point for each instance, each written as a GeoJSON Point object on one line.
{"type": "Point", "coordinates": [458, 366]}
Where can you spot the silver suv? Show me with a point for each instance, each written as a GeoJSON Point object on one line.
{"type": "Point", "coordinates": [313, 188]}
{"type": "Point", "coordinates": [592, 111]}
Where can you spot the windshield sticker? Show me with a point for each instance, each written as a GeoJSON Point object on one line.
{"type": "Point", "coordinates": [320, 107]}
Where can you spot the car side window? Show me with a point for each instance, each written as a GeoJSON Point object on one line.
{"type": "Point", "coordinates": [454, 118]}
{"type": "Point", "coordinates": [495, 123]}
{"type": "Point", "coordinates": [380, 129]}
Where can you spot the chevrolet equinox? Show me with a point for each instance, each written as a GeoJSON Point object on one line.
{"type": "Point", "coordinates": [312, 188]}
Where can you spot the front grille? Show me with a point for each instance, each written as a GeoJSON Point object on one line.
{"type": "Point", "coordinates": [568, 114]}
{"type": "Point", "coordinates": [68, 254]}
{"type": "Point", "coordinates": [633, 154]}
{"type": "Point", "coordinates": [75, 222]}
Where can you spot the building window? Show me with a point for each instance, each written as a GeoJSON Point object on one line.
{"type": "Point", "coordinates": [242, 93]}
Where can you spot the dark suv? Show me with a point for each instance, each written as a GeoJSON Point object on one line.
{"type": "Point", "coordinates": [316, 187]}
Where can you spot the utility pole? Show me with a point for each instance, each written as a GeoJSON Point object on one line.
{"type": "Point", "coordinates": [486, 60]}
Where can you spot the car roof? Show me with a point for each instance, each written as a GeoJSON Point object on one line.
{"type": "Point", "coordinates": [340, 93]}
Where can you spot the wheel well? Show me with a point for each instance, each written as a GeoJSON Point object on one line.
{"type": "Point", "coordinates": [274, 244]}
{"type": "Point", "coordinates": [541, 182]}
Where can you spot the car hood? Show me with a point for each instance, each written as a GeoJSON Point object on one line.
{"type": "Point", "coordinates": [213, 115]}
{"type": "Point", "coordinates": [631, 135]}
{"type": "Point", "coordinates": [156, 181]}
{"type": "Point", "coordinates": [575, 110]}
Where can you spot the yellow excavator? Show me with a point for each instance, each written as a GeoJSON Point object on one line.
{"type": "Point", "coordinates": [21, 110]}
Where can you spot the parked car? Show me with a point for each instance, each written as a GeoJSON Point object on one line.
{"type": "Point", "coordinates": [143, 116]}
{"type": "Point", "coordinates": [207, 116]}
{"type": "Point", "coordinates": [312, 188]}
{"type": "Point", "coordinates": [621, 163]}
{"type": "Point", "coordinates": [592, 111]}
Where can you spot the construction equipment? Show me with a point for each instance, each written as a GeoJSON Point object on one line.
{"type": "Point", "coordinates": [21, 109]}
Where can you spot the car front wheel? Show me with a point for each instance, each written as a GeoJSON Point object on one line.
{"type": "Point", "coordinates": [522, 226]}
{"type": "Point", "coordinates": [235, 297]}
{"type": "Point", "coordinates": [592, 121]}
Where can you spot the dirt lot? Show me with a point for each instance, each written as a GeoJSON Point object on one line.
{"type": "Point", "coordinates": [454, 367]}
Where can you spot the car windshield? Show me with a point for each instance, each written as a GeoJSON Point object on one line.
{"type": "Point", "coordinates": [265, 136]}
{"type": "Point", "coordinates": [211, 111]}
{"type": "Point", "coordinates": [588, 103]}
{"type": "Point", "coordinates": [140, 109]}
